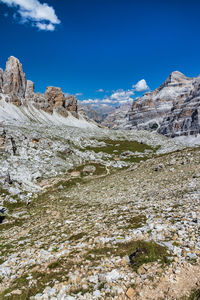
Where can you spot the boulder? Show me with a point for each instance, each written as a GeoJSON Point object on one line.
{"type": "Point", "coordinates": [130, 293]}
{"type": "Point", "coordinates": [89, 169]}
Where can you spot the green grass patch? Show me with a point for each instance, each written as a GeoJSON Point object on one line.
{"type": "Point", "coordinates": [136, 222]}
{"type": "Point", "coordinates": [64, 154]}
{"type": "Point", "coordinates": [195, 295]}
{"type": "Point", "coordinates": [41, 279]}
{"type": "Point", "coordinates": [147, 252]}
{"type": "Point", "coordinates": [12, 222]}
{"type": "Point", "coordinates": [15, 205]}
{"type": "Point", "coordinates": [3, 191]}
{"type": "Point", "coordinates": [120, 146]}
{"type": "Point", "coordinates": [55, 264]}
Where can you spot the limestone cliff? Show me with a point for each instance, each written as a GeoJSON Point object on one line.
{"type": "Point", "coordinates": [19, 91]}
{"type": "Point", "coordinates": [172, 109]}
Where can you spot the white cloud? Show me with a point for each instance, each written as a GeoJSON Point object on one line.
{"type": "Point", "coordinates": [88, 101]}
{"type": "Point", "coordinates": [122, 95]}
{"type": "Point", "coordinates": [79, 94]}
{"type": "Point", "coordinates": [106, 100]}
{"type": "Point", "coordinates": [118, 97]}
{"type": "Point", "coordinates": [100, 91]}
{"type": "Point", "coordinates": [39, 15]}
{"type": "Point", "coordinates": [141, 86]}
{"type": "Point", "coordinates": [47, 27]}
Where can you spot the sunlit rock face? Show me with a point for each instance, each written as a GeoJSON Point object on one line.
{"type": "Point", "coordinates": [172, 109]}
{"type": "Point", "coordinates": [57, 101]}
{"type": "Point", "coordinates": [1, 80]}
{"type": "Point", "coordinates": [19, 91]}
{"type": "Point", "coordinates": [14, 79]}
{"type": "Point", "coordinates": [30, 89]}
{"type": "Point", "coordinates": [184, 117]}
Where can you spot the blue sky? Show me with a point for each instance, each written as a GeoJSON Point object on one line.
{"type": "Point", "coordinates": [86, 45]}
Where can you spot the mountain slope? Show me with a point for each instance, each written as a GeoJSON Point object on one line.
{"type": "Point", "coordinates": [173, 108]}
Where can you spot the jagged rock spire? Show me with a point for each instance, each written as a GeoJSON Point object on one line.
{"type": "Point", "coordinates": [20, 91]}
{"type": "Point", "coordinates": [14, 79]}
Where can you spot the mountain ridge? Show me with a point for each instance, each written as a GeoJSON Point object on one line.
{"type": "Point", "coordinates": [20, 102]}
{"type": "Point", "coordinates": [172, 109]}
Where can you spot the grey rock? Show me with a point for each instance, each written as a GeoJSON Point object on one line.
{"type": "Point", "coordinates": [30, 89]}
{"type": "Point", "coordinates": [14, 79]}
{"type": "Point", "coordinates": [172, 109]}
{"type": "Point", "coordinates": [3, 210]}
{"type": "Point", "coordinates": [1, 79]}
{"type": "Point", "coordinates": [183, 118]}
{"type": "Point", "coordinates": [89, 169]}
{"type": "Point", "coordinates": [154, 109]}
{"type": "Point", "coordinates": [159, 167]}
{"type": "Point", "coordinates": [21, 92]}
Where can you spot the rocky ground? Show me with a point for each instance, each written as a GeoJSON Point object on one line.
{"type": "Point", "coordinates": [100, 232]}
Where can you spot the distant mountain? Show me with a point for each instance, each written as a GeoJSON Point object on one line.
{"type": "Point", "coordinates": [118, 119]}
{"type": "Point", "coordinates": [19, 102]}
{"type": "Point", "coordinates": [96, 113]}
{"type": "Point", "coordinates": [173, 109]}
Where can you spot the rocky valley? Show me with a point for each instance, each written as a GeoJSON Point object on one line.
{"type": "Point", "coordinates": [88, 212]}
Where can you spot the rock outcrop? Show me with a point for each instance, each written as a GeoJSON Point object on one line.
{"type": "Point", "coordinates": [172, 109]}
{"type": "Point", "coordinates": [19, 91]}
{"type": "Point", "coordinates": [71, 104]}
{"type": "Point", "coordinates": [57, 101]}
{"type": "Point", "coordinates": [14, 79]}
{"type": "Point", "coordinates": [1, 80]}
{"type": "Point", "coordinates": [118, 119]}
{"type": "Point", "coordinates": [30, 89]}
{"type": "Point", "coordinates": [184, 117]}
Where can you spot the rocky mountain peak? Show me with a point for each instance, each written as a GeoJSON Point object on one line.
{"type": "Point", "coordinates": [172, 108]}
{"type": "Point", "coordinates": [175, 79]}
{"type": "Point", "coordinates": [12, 61]}
{"type": "Point", "coordinates": [20, 91]}
{"type": "Point", "coordinates": [177, 75]}
{"type": "Point", "coordinates": [14, 79]}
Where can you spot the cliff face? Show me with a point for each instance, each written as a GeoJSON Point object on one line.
{"type": "Point", "coordinates": [14, 79]}
{"type": "Point", "coordinates": [118, 119]}
{"type": "Point", "coordinates": [1, 80]}
{"type": "Point", "coordinates": [19, 91]}
{"type": "Point", "coordinates": [172, 109]}
{"type": "Point", "coordinates": [184, 117]}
